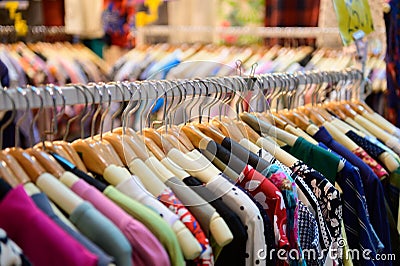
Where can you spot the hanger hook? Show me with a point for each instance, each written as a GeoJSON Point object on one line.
{"type": "Point", "coordinates": [118, 85]}
{"type": "Point", "coordinates": [36, 92]}
{"type": "Point", "coordinates": [98, 110]}
{"type": "Point", "coordinates": [23, 117]}
{"type": "Point", "coordinates": [107, 110]}
{"type": "Point", "coordinates": [88, 114]}
{"type": "Point", "coordinates": [181, 101]}
{"type": "Point", "coordinates": [80, 115]}
{"type": "Point", "coordinates": [131, 108]}
{"type": "Point", "coordinates": [239, 64]}
{"type": "Point", "coordinates": [12, 116]}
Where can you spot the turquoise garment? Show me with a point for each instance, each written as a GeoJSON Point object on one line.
{"type": "Point", "coordinates": [102, 232]}
{"type": "Point", "coordinates": [152, 221]}
{"type": "Point", "coordinates": [287, 187]}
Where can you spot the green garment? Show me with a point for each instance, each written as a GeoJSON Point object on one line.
{"type": "Point", "coordinates": [90, 222]}
{"type": "Point", "coordinates": [316, 157]}
{"type": "Point", "coordinates": [152, 221]}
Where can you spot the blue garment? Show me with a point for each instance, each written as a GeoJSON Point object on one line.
{"type": "Point", "coordinates": [359, 231]}
{"type": "Point", "coordinates": [373, 188]}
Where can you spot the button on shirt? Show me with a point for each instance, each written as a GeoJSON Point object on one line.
{"type": "Point", "coordinates": [233, 253]}
{"type": "Point", "coordinates": [248, 213]}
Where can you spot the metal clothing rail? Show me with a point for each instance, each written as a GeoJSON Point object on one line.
{"type": "Point", "coordinates": [32, 97]}
{"type": "Point", "coordinates": [262, 32]}
{"type": "Point", "coordinates": [48, 30]}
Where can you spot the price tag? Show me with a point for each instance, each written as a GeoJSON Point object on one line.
{"type": "Point", "coordinates": [353, 16]}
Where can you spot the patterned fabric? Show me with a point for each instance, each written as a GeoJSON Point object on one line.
{"type": "Point", "coordinates": [328, 198]}
{"type": "Point", "coordinates": [308, 234]}
{"type": "Point", "coordinates": [118, 20]}
{"type": "Point", "coordinates": [288, 190]}
{"type": "Point", "coordinates": [377, 168]}
{"type": "Point", "coordinates": [168, 198]}
{"type": "Point", "coordinates": [10, 253]}
{"type": "Point", "coordinates": [250, 216]}
{"type": "Point", "coordinates": [355, 213]}
{"type": "Point", "coordinates": [268, 228]}
{"type": "Point", "coordinates": [372, 149]}
{"type": "Point", "coordinates": [325, 239]}
{"type": "Point", "coordinates": [270, 198]}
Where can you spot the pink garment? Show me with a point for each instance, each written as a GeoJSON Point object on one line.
{"type": "Point", "coordinates": [146, 249]}
{"type": "Point", "coordinates": [42, 241]}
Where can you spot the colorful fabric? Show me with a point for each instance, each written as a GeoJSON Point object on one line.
{"type": "Point", "coordinates": [249, 215]}
{"type": "Point", "coordinates": [377, 168]}
{"type": "Point", "coordinates": [371, 148]}
{"type": "Point", "coordinates": [324, 237]}
{"type": "Point", "coordinates": [308, 234]}
{"type": "Point", "coordinates": [270, 198]}
{"type": "Point", "coordinates": [328, 198]}
{"type": "Point", "coordinates": [32, 230]}
{"type": "Point", "coordinates": [288, 190]}
{"type": "Point", "coordinates": [118, 21]}
{"type": "Point", "coordinates": [355, 213]}
{"type": "Point", "coordinates": [168, 198]}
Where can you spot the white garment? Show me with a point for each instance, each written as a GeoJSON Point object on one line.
{"type": "Point", "coordinates": [135, 190]}
{"type": "Point", "coordinates": [248, 213]}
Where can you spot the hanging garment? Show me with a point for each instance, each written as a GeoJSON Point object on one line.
{"type": "Point", "coordinates": [233, 253]}
{"type": "Point", "coordinates": [328, 198]}
{"type": "Point", "coordinates": [90, 222]}
{"type": "Point", "coordinates": [40, 241]}
{"type": "Point", "coordinates": [152, 221]}
{"type": "Point", "coordinates": [373, 189]}
{"type": "Point", "coordinates": [42, 202]}
{"type": "Point", "coordinates": [248, 213]}
{"type": "Point", "coordinates": [321, 160]}
{"type": "Point", "coordinates": [169, 199]}
{"type": "Point", "coordinates": [146, 248]}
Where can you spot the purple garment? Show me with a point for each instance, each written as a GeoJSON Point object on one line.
{"type": "Point", "coordinates": [42, 241]}
{"type": "Point", "coordinates": [147, 250]}
{"type": "Point", "coordinates": [372, 186]}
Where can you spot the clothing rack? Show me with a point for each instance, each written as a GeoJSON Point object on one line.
{"type": "Point", "coordinates": [48, 30]}
{"type": "Point", "coordinates": [148, 90]}
{"type": "Point", "coordinates": [262, 32]}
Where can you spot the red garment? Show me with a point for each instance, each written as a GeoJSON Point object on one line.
{"type": "Point", "coordinates": [168, 198]}
{"type": "Point", "coordinates": [376, 167]}
{"type": "Point", "coordinates": [42, 241]}
{"type": "Point", "coordinates": [269, 196]}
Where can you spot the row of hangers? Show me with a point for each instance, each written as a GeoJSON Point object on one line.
{"type": "Point", "coordinates": [155, 155]}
